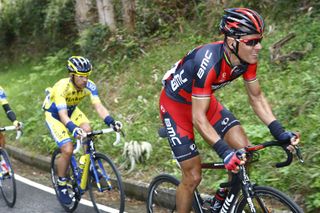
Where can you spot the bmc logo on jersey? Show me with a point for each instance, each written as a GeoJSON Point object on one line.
{"type": "Point", "coordinates": [178, 80]}
{"type": "Point", "coordinates": [204, 64]}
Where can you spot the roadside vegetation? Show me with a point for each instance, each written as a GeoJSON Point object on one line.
{"type": "Point", "coordinates": [128, 69]}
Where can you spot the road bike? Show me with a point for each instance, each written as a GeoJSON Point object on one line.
{"type": "Point", "coordinates": [243, 195]}
{"type": "Point", "coordinates": [99, 176]}
{"type": "Point", "coordinates": [7, 180]}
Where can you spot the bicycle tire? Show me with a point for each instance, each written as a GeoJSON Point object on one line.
{"type": "Point", "coordinates": [268, 199]}
{"type": "Point", "coordinates": [162, 195]}
{"type": "Point", "coordinates": [8, 181]}
{"type": "Point", "coordinates": [71, 182]}
{"type": "Point", "coordinates": [112, 193]}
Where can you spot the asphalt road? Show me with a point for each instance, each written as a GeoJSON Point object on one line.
{"type": "Point", "coordinates": [35, 194]}
{"type": "Point", "coordinates": [30, 199]}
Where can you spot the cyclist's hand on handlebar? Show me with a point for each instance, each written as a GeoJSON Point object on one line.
{"type": "Point", "coordinates": [294, 140]}
{"type": "Point", "coordinates": [234, 159]}
{"type": "Point", "coordinates": [18, 125]}
{"type": "Point", "coordinates": [289, 138]}
{"type": "Point", "coordinates": [79, 133]}
{"type": "Point", "coordinates": [279, 133]}
{"type": "Point", "coordinates": [286, 136]}
{"type": "Point", "coordinates": [116, 126]}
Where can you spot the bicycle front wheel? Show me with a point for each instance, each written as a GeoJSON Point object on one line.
{"type": "Point", "coordinates": [7, 180]}
{"type": "Point", "coordinates": [267, 199]}
{"type": "Point", "coordinates": [106, 188]}
{"type": "Point", "coordinates": [162, 194]}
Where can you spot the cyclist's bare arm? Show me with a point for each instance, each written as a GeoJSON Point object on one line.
{"type": "Point", "coordinates": [200, 107]}
{"type": "Point", "coordinates": [101, 110]}
{"type": "Point", "coordinates": [63, 115]}
{"type": "Point", "coordinates": [262, 108]}
{"type": "Point", "coordinates": [259, 103]}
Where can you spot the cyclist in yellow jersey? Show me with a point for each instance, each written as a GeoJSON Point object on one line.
{"type": "Point", "coordinates": [10, 114]}
{"type": "Point", "coordinates": [62, 114]}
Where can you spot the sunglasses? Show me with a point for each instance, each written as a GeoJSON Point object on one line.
{"type": "Point", "coordinates": [251, 41]}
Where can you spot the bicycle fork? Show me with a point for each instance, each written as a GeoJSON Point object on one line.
{"type": "Point", "coordinates": [103, 175]}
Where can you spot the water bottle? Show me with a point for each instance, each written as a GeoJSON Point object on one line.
{"type": "Point", "coordinates": [218, 200]}
{"type": "Point", "coordinates": [82, 163]}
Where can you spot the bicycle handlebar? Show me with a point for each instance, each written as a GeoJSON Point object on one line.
{"type": "Point", "coordinates": [11, 128]}
{"type": "Point", "coordinates": [163, 133]}
{"type": "Point", "coordinates": [283, 146]}
{"type": "Point", "coordinates": [97, 132]}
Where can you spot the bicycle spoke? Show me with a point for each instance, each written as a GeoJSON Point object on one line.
{"type": "Point", "coordinates": [106, 186]}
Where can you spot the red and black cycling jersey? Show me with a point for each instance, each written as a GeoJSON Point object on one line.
{"type": "Point", "coordinates": [202, 71]}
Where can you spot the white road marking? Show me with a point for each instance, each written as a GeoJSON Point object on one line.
{"type": "Point", "coordinates": [51, 190]}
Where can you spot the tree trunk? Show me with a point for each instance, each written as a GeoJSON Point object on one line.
{"type": "Point", "coordinates": [106, 13]}
{"type": "Point", "coordinates": [84, 16]}
{"type": "Point", "coordinates": [128, 14]}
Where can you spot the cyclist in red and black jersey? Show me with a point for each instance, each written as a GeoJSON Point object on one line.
{"type": "Point", "coordinates": [188, 99]}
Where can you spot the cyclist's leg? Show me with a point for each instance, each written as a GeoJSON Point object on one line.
{"type": "Point", "coordinates": [236, 137]}
{"type": "Point", "coordinates": [227, 125]}
{"type": "Point", "coordinates": [64, 160]}
{"type": "Point", "coordinates": [177, 119]}
{"type": "Point", "coordinates": [80, 119]}
{"type": "Point", "coordinates": [191, 177]}
{"type": "Point", "coordinates": [60, 134]}
{"type": "Point", "coordinates": [2, 140]}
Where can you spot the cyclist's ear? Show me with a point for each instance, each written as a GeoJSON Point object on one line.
{"type": "Point", "coordinates": [231, 42]}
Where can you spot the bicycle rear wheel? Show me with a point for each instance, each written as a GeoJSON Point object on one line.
{"type": "Point", "coordinates": [111, 191]}
{"type": "Point", "coordinates": [162, 195]}
{"type": "Point", "coordinates": [7, 180]}
{"type": "Point", "coordinates": [71, 182]}
{"type": "Point", "coordinates": [267, 199]}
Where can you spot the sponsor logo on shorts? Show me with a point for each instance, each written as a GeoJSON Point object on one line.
{"type": "Point", "coordinates": [225, 121]}
{"type": "Point", "coordinates": [171, 132]}
{"type": "Point", "coordinates": [193, 147]}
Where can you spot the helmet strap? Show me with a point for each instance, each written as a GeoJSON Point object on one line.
{"type": "Point", "coordinates": [235, 50]}
{"type": "Point", "coordinates": [73, 82]}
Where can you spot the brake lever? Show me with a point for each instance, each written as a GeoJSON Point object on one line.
{"type": "Point", "coordinates": [122, 133]}
{"type": "Point", "coordinates": [298, 153]}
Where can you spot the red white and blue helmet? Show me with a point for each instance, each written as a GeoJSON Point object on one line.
{"type": "Point", "coordinates": [241, 22]}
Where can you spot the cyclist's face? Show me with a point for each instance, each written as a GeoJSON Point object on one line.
{"type": "Point", "coordinates": [80, 81]}
{"type": "Point", "coordinates": [249, 48]}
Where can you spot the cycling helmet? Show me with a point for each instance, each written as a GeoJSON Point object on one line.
{"type": "Point", "coordinates": [79, 65]}
{"type": "Point", "coordinates": [240, 22]}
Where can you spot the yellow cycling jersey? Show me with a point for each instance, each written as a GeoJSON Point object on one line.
{"type": "Point", "coordinates": [3, 97]}
{"type": "Point", "coordinates": [64, 95]}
